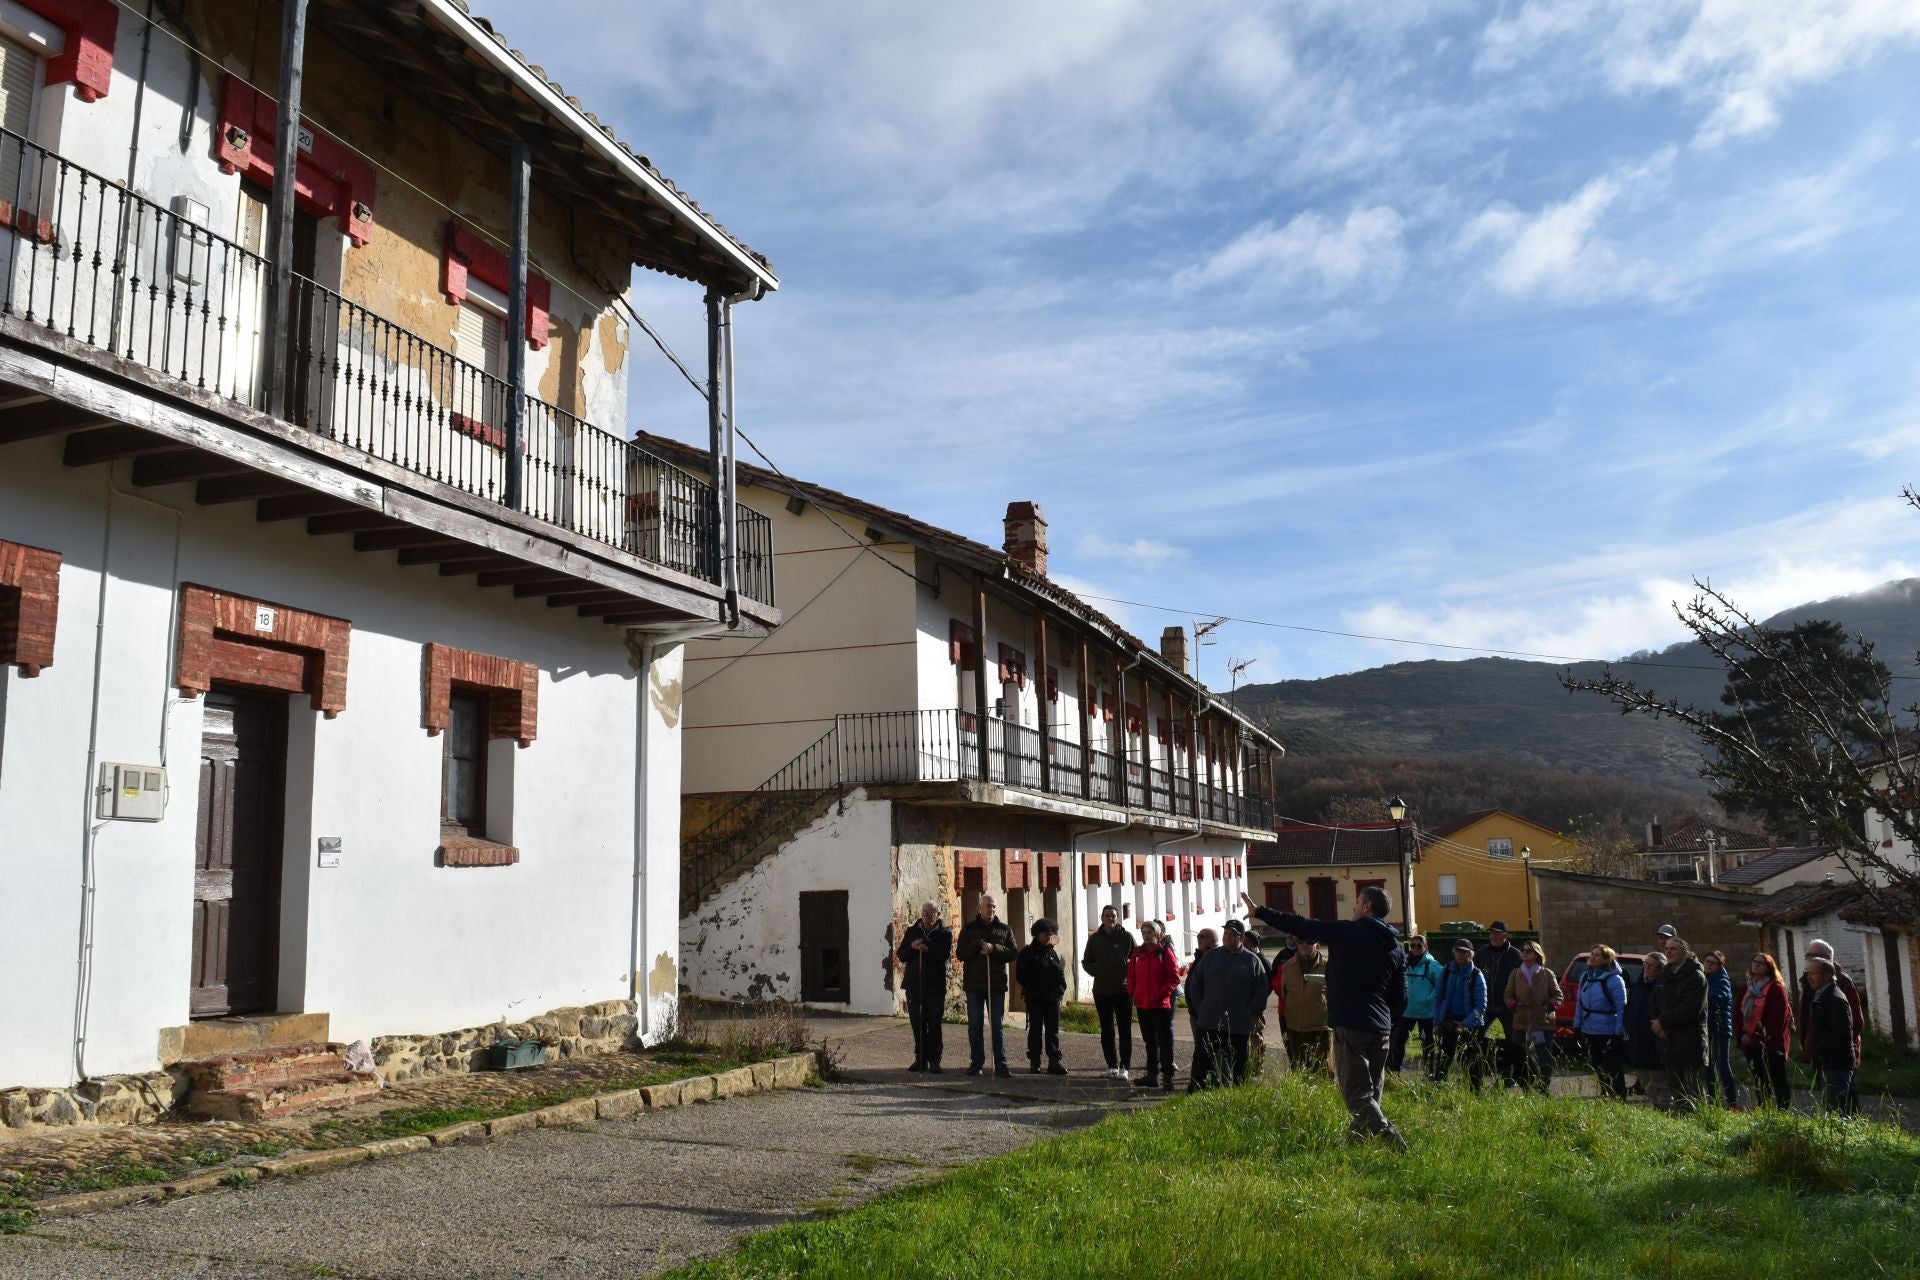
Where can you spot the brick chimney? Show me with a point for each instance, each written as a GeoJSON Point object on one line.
{"type": "Point", "coordinates": [1653, 834]}
{"type": "Point", "coordinates": [1173, 648]}
{"type": "Point", "coordinates": [1027, 537]}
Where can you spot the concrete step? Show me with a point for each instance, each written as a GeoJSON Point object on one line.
{"type": "Point", "coordinates": [255, 1068]}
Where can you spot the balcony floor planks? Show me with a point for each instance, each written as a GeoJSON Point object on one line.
{"type": "Point", "coordinates": [96, 389]}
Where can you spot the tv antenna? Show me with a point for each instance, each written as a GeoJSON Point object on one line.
{"type": "Point", "coordinates": [1235, 666]}
{"type": "Point", "coordinates": [1201, 632]}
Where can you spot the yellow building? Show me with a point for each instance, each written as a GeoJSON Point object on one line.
{"type": "Point", "coordinates": [1475, 868]}
{"type": "Point", "coordinates": [1316, 871]}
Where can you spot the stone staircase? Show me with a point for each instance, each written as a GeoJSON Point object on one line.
{"type": "Point", "coordinates": [266, 1084]}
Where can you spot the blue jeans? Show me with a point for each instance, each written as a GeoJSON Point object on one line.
{"type": "Point", "coordinates": [1839, 1089]}
{"type": "Point", "coordinates": [1720, 1067]}
{"type": "Point", "coordinates": [977, 1002]}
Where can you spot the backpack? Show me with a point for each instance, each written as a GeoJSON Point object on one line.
{"type": "Point", "coordinates": [1613, 1010]}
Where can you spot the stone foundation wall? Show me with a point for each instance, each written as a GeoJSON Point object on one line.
{"type": "Point", "coordinates": [137, 1099]}
{"type": "Point", "coordinates": [606, 1027]}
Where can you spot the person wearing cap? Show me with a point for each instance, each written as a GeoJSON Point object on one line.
{"type": "Point", "coordinates": [1680, 1020]}
{"type": "Point", "coordinates": [924, 952]}
{"type": "Point", "coordinates": [1228, 991]}
{"type": "Point", "coordinates": [1303, 1007]}
{"type": "Point", "coordinates": [1423, 981]}
{"type": "Point", "coordinates": [1460, 1015]}
{"type": "Point", "coordinates": [1497, 960]}
{"type": "Point", "coordinates": [1661, 935]}
{"type": "Point", "coordinates": [1199, 1075]}
{"type": "Point", "coordinates": [1829, 1035]}
{"type": "Point", "coordinates": [1042, 976]}
{"type": "Point", "coordinates": [1534, 996]}
{"type": "Point", "coordinates": [1820, 949]}
{"type": "Point", "coordinates": [1365, 988]}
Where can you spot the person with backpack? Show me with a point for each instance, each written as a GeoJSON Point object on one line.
{"type": "Point", "coordinates": [1765, 1027]}
{"type": "Point", "coordinates": [1423, 979]}
{"type": "Point", "coordinates": [1460, 1015]}
{"type": "Point", "coordinates": [1720, 1031]}
{"type": "Point", "coordinates": [1600, 1016]}
{"type": "Point", "coordinates": [1042, 976]}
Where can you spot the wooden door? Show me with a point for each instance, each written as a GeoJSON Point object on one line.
{"type": "Point", "coordinates": [1896, 994]}
{"type": "Point", "coordinates": [236, 898]}
{"type": "Point", "coordinates": [1323, 902]}
{"type": "Point", "coordinates": [823, 946]}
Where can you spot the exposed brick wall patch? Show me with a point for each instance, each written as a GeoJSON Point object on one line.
{"type": "Point", "coordinates": [261, 644]}
{"type": "Point", "coordinates": [513, 689]}
{"type": "Point", "coordinates": [29, 606]}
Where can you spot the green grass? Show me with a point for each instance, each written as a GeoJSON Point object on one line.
{"type": "Point", "coordinates": [1887, 1068]}
{"type": "Point", "coordinates": [1260, 1181]}
{"type": "Point", "coordinates": [1075, 1016]}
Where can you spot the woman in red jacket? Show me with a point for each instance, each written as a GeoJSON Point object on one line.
{"type": "Point", "coordinates": [1764, 1023]}
{"type": "Point", "coordinates": [1152, 975]}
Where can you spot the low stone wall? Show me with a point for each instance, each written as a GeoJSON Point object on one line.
{"type": "Point", "coordinates": [136, 1099]}
{"type": "Point", "coordinates": [606, 1027]}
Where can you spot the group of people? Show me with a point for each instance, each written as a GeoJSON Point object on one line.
{"type": "Point", "coordinates": [1340, 984]}
{"type": "Point", "coordinates": [1352, 992]}
{"type": "Point", "coordinates": [1676, 1024]}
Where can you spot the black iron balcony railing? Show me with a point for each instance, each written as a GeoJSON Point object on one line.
{"type": "Point", "coordinates": [100, 265]}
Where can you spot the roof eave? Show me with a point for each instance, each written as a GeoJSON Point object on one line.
{"type": "Point", "coordinates": [501, 59]}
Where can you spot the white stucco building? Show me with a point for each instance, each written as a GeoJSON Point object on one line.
{"type": "Point", "coordinates": [935, 719]}
{"type": "Point", "coordinates": [341, 624]}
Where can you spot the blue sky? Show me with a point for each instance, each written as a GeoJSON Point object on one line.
{"type": "Point", "coordinates": [1480, 323]}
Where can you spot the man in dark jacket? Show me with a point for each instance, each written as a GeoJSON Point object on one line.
{"type": "Point", "coordinates": [924, 952]}
{"type": "Point", "coordinates": [1227, 989]}
{"type": "Point", "coordinates": [986, 949]}
{"type": "Point", "coordinates": [1680, 1020]}
{"type": "Point", "coordinates": [1830, 1034]}
{"type": "Point", "coordinates": [1497, 961]}
{"type": "Point", "coordinates": [1105, 960]}
{"type": "Point", "coordinates": [1199, 1075]}
{"type": "Point", "coordinates": [1042, 976]}
{"type": "Point", "coordinates": [1821, 949]}
{"type": "Point", "coordinates": [1366, 988]}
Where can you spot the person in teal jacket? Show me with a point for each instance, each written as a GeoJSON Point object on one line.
{"type": "Point", "coordinates": [1460, 1015]}
{"type": "Point", "coordinates": [1423, 981]}
{"type": "Point", "coordinates": [1720, 1030]}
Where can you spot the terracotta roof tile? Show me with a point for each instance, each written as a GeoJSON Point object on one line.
{"type": "Point", "coordinates": [1799, 902]}
{"type": "Point", "coordinates": [1305, 846]}
{"type": "Point", "coordinates": [1770, 865]}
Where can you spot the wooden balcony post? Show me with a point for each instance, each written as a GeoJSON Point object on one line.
{"type": "Point", "coordinates": [1087, 692]}
{"type": "Point", "coordinates": [1046, 714]}
{"type": "Point", "coordinates": [980, 675]}
{"type": "Point", "coordinates": [522, 178]}
{"type": "Point", "coordinates": [1193, 755]}
{"type": "Point", "coordinates": [286, 156]}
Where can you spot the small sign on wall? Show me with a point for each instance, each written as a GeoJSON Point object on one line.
{"type": "Point", "coordinates": [329, 851]}
{"type": "Point", "coordinates": [263, 617]}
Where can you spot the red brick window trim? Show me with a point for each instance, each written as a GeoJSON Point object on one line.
{"type": "Point", "coordinates": [1013, 666]}
{"type": "Point", "coordinates": [962, 650]}
{"type": "Point", "coordinates": [465, 254]}
{"type": "Point", "coordinates": [471, 851]}
{"type": "Point", "coordinates": [512, 688]}
{"type": "Point", "coordinates": [91, 27]}
{"type": "Point", "coordinates": [242, 640]}
{"type": "Point", "coordinates": [29, 606]}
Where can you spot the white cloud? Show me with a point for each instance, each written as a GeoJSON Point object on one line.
{"type": "Point", "coordinates": [1310, 252]}
{"type": "Point", "coordinates": [1740, 60]}
{"type": "Point", "coordinates": [1144, 553]}
{"type": "Point", "coordinates": [1560, 251]}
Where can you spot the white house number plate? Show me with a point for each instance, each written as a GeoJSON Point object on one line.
{"type": "Point", "coordinates": [263, 618]}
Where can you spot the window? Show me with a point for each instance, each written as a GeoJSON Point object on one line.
{"type": "Point", "coordinates": [463, 779]}
{"type": "Point", "coordinates": [1499, 848]}
{"type": "Point", "coordinates": [476, 390]}
{"type": "Point", "coordinates": [19, 85]}
{"type": "Point", "coordinates": [480, 338]}
{"type": "Point", "coordinates": [1449, 891]}
{"type": "Point", "coordinates": [1013, 666]}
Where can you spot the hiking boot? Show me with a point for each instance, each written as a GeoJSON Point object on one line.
{"type": "Point", "coordinates": [1003, 1071]}
{"type": "Point", "coordinates": [1033, 1069]}
{"type": "Point", "coordinates": [933, 1069]}
{"type": "Point", "coordinates": [918, 1066]}
{"type": "Point", "coordinates": [1166, 1084]}
{"type": "Point", "coordinates": [976, 1071]}
{"type": "Point", "coordinates": [1056, 1069]}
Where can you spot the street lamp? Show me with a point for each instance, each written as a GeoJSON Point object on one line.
{"type": "Point", "coordinates": [1397, 810]}
{"type": "Point", "coordinates": [1526, 881]}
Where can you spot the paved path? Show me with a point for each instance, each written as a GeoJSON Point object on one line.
{"type": "Point", "coordinates": [618, 1198]}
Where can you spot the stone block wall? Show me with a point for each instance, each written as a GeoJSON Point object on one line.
{"type": "Point", "coordinates": [607, 1027]}
{"type": "Point", "coordinates": [133, 1099]}
{"type": "Point", "coordinates": [1577, 910]}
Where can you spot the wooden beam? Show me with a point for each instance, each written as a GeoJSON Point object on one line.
{"type": "Point", "coordinates": [187, 464]}
{"type": "Point", "coordinates": [440, 554]}
{"type": "Point", "coordinates": [394, 539]}
{"type": "Point", "coordinates": [355, 521]}
{"type": "Point", "coordinates": [598, 610]}
{"type": "Point", "coordinates": [243, 488]}
{"type": "Point", "coordinates": [457, 568]}
{"type": "Point", "coordinates": [560, 599]}
{"type": "Point", "coordinates": [636, 616]}
{"type": "Point", "coordinates": [48, 418]}
{"type": "Point", "coordinates": [110, 444]}
{"type": "Point", "coordinates": [302, 505]}
{"type": "Point", "coordinates": [520, 572]}
{"type": "Point", "coordinates": [525, 588]}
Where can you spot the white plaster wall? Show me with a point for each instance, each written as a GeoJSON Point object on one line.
{"type": "Point", "coordinates": [846, 646]}
{"type": "Point", "coordinates": [392, 943]}
{"type": "Point", "coordinates": [744, 942]}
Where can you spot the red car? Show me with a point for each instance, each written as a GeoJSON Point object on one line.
{"type": "Point", "coordinates": [1570, 992]}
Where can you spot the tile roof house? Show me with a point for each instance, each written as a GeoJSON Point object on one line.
{"type": "Point", "coordinates": [1317, 870]}
{"type": "Point", "coordinates": [1778, 868]}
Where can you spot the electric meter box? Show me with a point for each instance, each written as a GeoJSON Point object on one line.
{"type": "Point", "coordinates": [132, 792]}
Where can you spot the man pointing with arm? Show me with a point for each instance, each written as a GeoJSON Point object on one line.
{"type": "Point", "coordinates": [1366, 987]}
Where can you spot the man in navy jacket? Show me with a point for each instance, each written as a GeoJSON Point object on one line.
{"type": "Point", "coordinates": [1366, 989]}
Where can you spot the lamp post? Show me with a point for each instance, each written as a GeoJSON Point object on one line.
{"type": "Point", "coordinates": [1397, 810]}
{"type": "Point", "coordinates": [1526, 881]}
